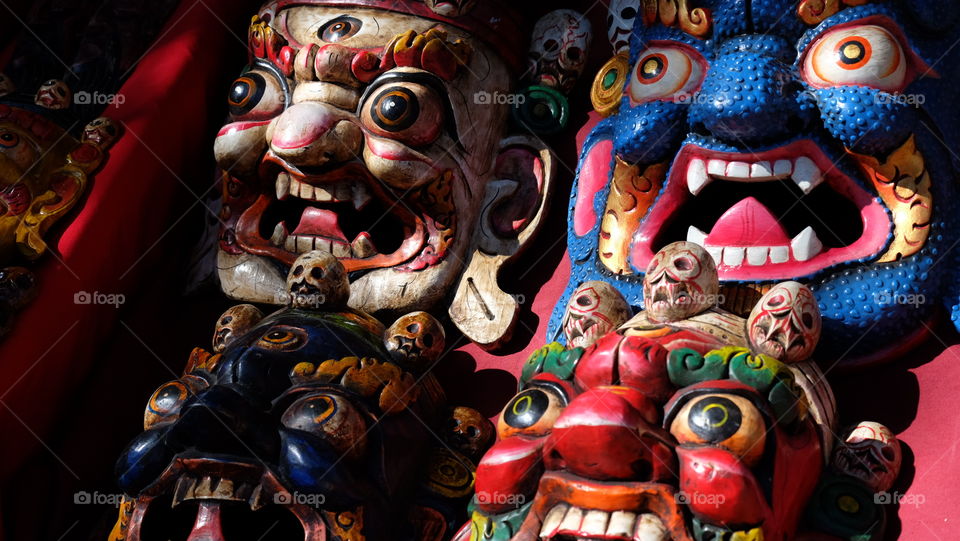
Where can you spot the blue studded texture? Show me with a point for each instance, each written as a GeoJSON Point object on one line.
{"type": "Point", "coordinates": [754, 97]}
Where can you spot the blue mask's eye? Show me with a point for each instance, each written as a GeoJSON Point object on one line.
{"type": "Point", "coordinates": [862, 55]}
{"type": "Point", "coordinates": [666, 71]}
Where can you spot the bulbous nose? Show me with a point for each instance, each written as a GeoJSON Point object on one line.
{"type": "Point", "coordinates": [314, 134]}
{"type": "Point", "coordinates": [750, 98]}
{"type": "Point", "coordinates": [611, 433]}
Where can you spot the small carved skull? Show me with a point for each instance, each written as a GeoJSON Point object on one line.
{"type": "Point", "coordinates": [415, 341]}
{"type": "Point", "coordinates": [54, 94]}
{"type": "Point", "coordinates": [871, 453]}
{"type": "Point", "coordinates": [6, 85]}
{"type": "Point", "coordinates": [622, 14]}
{"type": "Point", "coordinates": [234, 323]}
{"type": "Point", "coordinates": [558, 50]}
{"type": "Point", "coordinates": [318, 280]}
{"type": "Point", "coordinates": [785, 324]}
{"type": "Point", "coordinates": [100, 132]}
{"type": "Point", "coordinates": [451, 8]}
{"type": "Point", "coordinates": [681, 281]}
{"type": "Point", "coordinates": [470, 432]}
{"type": "Point", "coordinates": [594, 309]}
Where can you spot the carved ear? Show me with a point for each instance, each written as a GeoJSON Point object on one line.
{"type": "Point", "coordinates": [511, 213]}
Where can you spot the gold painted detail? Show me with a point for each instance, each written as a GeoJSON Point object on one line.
{"type": "Point", "coordinates": [608, 85]}
{"type": "Point", "coordinates": [346, 525]}
{"type": "Point", "coordinates": [814, 12]}
{"type": "Point", "coordinates": [366, 377]}
{"type": "Point", "coordinates": [903, 183]}
{"type": "Point", "coordinates": [631, 195]}
{"type": "Point", "coordinates": [696, 22]}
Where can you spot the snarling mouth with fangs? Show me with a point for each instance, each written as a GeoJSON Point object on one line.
{"type": "Point", "coordinates": [771, 215]}
{"type": "Point", "coordinates": [216, 499]}
{"type": "Point", "coordinates": [344, 211]}
{"type": "Point", "coordinates": [571, 511]}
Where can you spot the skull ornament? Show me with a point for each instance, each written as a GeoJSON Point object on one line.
{"type": "Point", "coordinates": [681, 281]}
{"type": "Point", "coordinates": [415, 340]}
{"type": "Point", "coordinates": [470, 432]}
{"type": "Point", "coordinates": [100, 132]}
{"type": "Point", "coordinates": [594, 310]}
{"type": "Point", "coordinates": [451, 8]}
{"type": "Point", "coordinates": [6, 85]}
{"type": "Point", "coordinates": [620, 19]}
{"type": "Point", "coordinates": [318, 279]}
{"type": "Point", "coordinates": [234, 323]}
{"type": "Point", "coordinates": [786, 323]}
{"type": "Point", "coordinates": [871, 453]}
{"type": "Point", "coordinates": [54, 94]}
{"type": "Point", "coordinates": [558, 51]}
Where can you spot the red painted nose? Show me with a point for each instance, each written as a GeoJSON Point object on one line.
{"type": "Point", "coordinates": [314, 134]}
{"type": "Point", "coordinates": [302, 125]}
{"type": "Point", "coordinates": [611, 433]}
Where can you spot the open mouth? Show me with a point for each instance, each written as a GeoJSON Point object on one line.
{"type": "Point", "coordinates": [345, 212]}
{"type": "Point", "coordinates": [783, 213]}
{"type": "Point", "coordinates": [221, 500]}
{"type": "Point", "coordinates": [571, 508]}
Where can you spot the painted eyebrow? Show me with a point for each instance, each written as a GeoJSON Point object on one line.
{"type": "Point", "coordinates": [424, 79]}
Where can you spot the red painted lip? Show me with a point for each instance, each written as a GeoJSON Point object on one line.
{"type": "Point", "coordinates": [676, 195]}
{"type": "Point", "coordinates": [324, 216]}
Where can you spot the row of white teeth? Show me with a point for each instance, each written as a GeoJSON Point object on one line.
{"type": "Point", "coordinates": [803, 247]}
{"type": "Point", "coordinates": [804, 172]}
{"type": "Point", "coordinates": [361, 247]}
{"type": "Point", "coordinates": [584, 524]}
{"type": "Point", "coordinates": [340, 192]}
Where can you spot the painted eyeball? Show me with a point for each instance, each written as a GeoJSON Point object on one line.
{"type": "Point", "coordinates": [531, 412]}
{"type": "Point", "coordinates": [670, 72]}
{"type": "Point", "coordinates": [339, 29]}
{"type": "Point", "coordinates": [255, 95]}
{"type": "Point", "coordinates": [410, 113]}
{"type": "Point", "coordinates": [165, 403]}
{"type": "Point", "coordinates": [283, 338]}
{"type": "Point", "coordinates": [9, 139]}
{"type": "Point", "coordinates": [331, 417]}
{"type": "Point", "coordinates": [727, 421]}
{"type": "Point", "coordinates": [859, 55]}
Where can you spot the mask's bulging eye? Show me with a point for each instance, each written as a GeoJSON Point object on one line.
{"type": "Point", "coordinates": [9, 139]}
{"type": "Point", "coordinates": [866, 55]}
{"type": "Point", "coordinates": [254, 95]}
{"type": "Point", "coordinates": [727, 421]}
{"type": "Point", "coordinates": [339, 29]}
{"type": "Point", "coordinates": [666, 72]}
{"type": "Point", "coordinates": [410, 113]}
{"type": "Point", "coordinates": [331, 417]}
{"type": "Point", "coordinates": [283, 338]}
{"type": "Point", "coordinates": [531, 412]}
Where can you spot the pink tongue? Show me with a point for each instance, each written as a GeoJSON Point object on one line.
{"type": "Point", "coordinates": [748, 223]}
{"type": "Point", "coordinates": [321, 223]}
